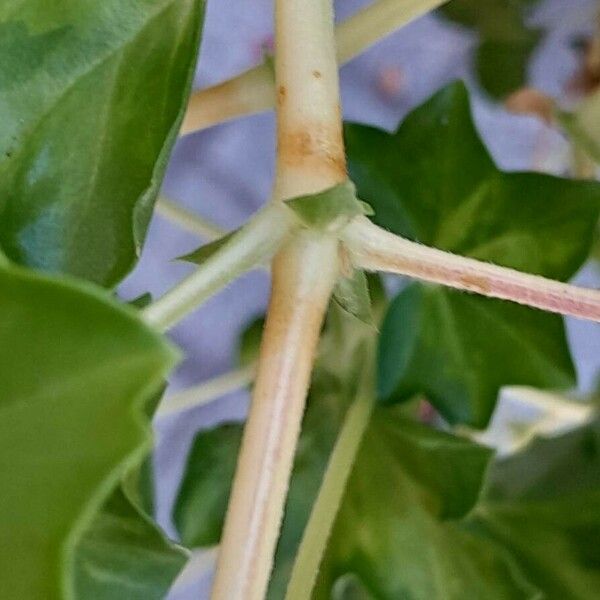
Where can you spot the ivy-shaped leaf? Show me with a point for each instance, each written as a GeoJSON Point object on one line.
{"type": "Point", "coordinates": [433, 181]}
{"type": "Point", "coordinates": [76, 370]}
{"type": "Point", "coordinates": [505, 41]}
{"type": "Point", "coordinates": [399, 530]}
{"type": "Point", "coordinates": [543, 505]}
{"type": "Point", "coordinates": [91, 97]}
{"type": "Point", "coordinates": [460, 350]}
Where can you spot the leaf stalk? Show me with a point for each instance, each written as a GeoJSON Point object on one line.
{"type": "Point", "coordinates": [375, 249]}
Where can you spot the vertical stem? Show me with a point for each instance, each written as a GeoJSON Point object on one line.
{"type": "Point", "coordinates": [310, 158]}
{"type": "Point", "coordinates": [303, 275]}
{"type": "Point", "coordinates": [310, 154]}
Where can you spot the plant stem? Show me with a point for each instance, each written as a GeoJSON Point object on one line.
{"type": "Point", "coordinates": [249, 247]}
{"type": "Point", "coordinates": [253, 91]}
{"type": "Point", "coordinates": [374, 248]}
{"type": "Point", "coordinates": [207, 391]}
{"type": "Point", "coordinates": [377, 21]}
{"type": "Point", "coordinates": [248, 93]}
{"type": "Point", "coordinates": [303, 277]}
{"type": "Point", "coordinates": [326, 506]}
{"type": "Point", "coordinates": [310, 158]}
{"type": "Point", "coordinates": [188, 220]}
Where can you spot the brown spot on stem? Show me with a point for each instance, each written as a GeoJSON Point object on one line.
{"type": "Point", "coordinates": [476, 283]}
{"type": "Point", "coordinates": [317, 74]}
{"type": "Point", "coordinates": [315, 146]}
{"type": "Point", "coordinates": [281, 92]}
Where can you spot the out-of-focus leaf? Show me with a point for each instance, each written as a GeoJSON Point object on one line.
{"type": "Point", "coordinates": [505, 41]}
{"type": "Point", "coordinates": [543, 506]}
{"type": "Point", "coordinates": [352, 294]}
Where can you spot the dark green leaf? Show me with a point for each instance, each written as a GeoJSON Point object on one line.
{"type": "Point", "coordinates": [459, 350]}
{"type": "Point", "coordinates": [544, 507]}
{"type": "Point", "coordinates": [124, 555]}
{"type": "Point", "coordinates": [399, 527]}
{"type": "Point", "coordinates": [249, 344]}
{"type": "Point", "coordinates": [141, 301]}
{"type": "Point", "coordinates": [425, 186]}
{"type": "Point", "coordinates": [91, 96]}
{"type": "Point", "coordinates": [76, 369]}
{"type": "Point", "coordinates": [330, 209]}
{"type": "Point", "coordinates": [505, 41]}
{"type": "Point", "coordinates": [205, 488]}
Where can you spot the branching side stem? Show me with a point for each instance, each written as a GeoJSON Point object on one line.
{"type": "Point", "coordinates": [376, 249]}
{"type": "Point", "coordinates": [253, 91]}
{"type": "Point", "coordinates": [206, 392]}
{"type": "Point", "coordinates": [255, 243]}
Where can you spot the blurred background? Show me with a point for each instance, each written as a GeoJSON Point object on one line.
{"type": "Point", "coordinates": [225, 173]}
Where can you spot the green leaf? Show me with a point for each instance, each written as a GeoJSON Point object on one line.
{"type": "Point", "coordinates": [91, 97]}
{"type": "Point", "coordinates": [400, 528]}
{"type": "Point", "coordinates": [204, 491]}
{"type": "Point", "coordinates": [249, 343]}
{"type": "Point", "coordinates": [203, 253]}
{"type": "Point", "coordinates": [426, 187]}
{"type": "Point", "coordinates": [76, 370]}
{"type": "Point", "coordinates": [544, 507]}
{"type": "Point", "coordinates": [141, 301]}
{"type": "Point", "coordinates": [505, 41]}
{"type": "Point", "coordinates": [125, 555]}
{"type": "Point", "coordinates": [352, 295]}
{"type": "Point", "coordinates": [459, 350]}
{"type": "Point", "coordinates": [330, 209]}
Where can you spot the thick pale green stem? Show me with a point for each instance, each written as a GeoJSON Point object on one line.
{"type": "Point", "coordinates": [310, 159]}
{"type": "Point", "coordinates": [255, 243]}
{"type": "Point", "coordinates": [325, 509]}
{"type": "Point", "coordinates": [253, 91]}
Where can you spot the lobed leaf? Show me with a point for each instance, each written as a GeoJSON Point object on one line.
{"type": "Point", "coordinates": [543, 505]}
{"type": "Point", "coordinates": [423, 185]}
{"type": "Point", "coordinates": [76, 369]}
